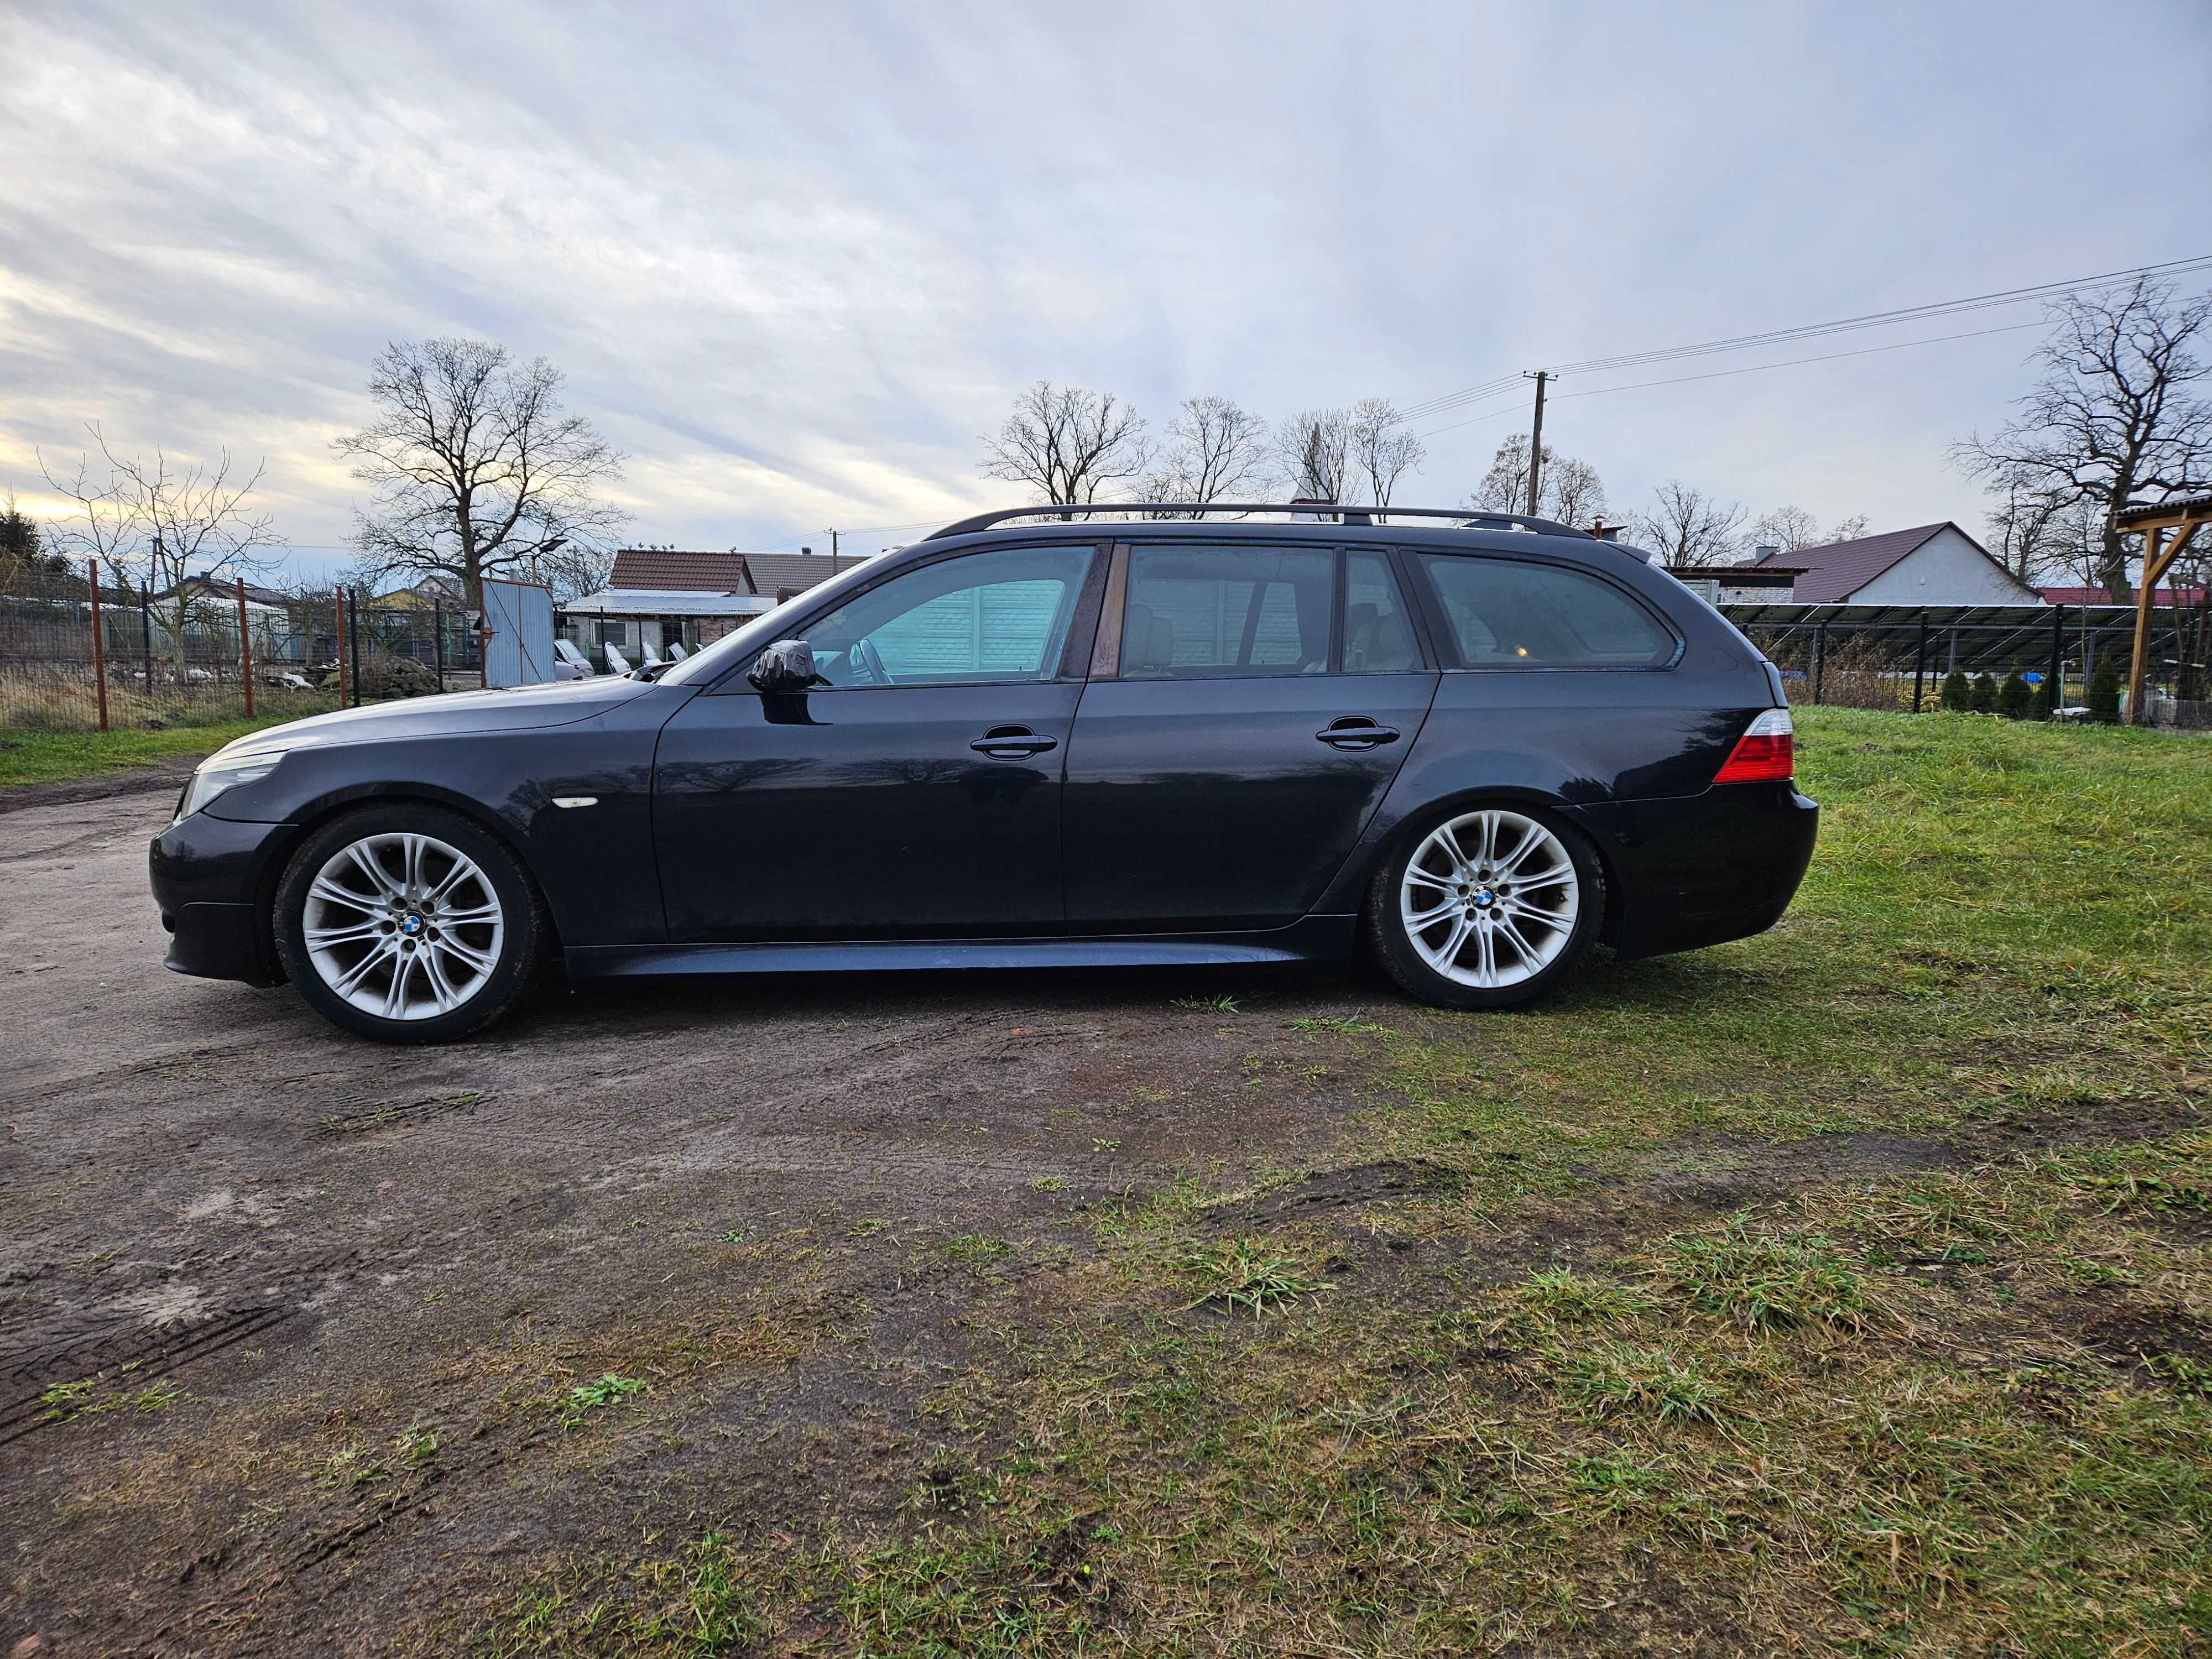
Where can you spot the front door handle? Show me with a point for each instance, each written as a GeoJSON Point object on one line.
{"type": "Point", "coordinates": [1012, 743]}
{"type": "Point", "coordinates": [1357, 731]}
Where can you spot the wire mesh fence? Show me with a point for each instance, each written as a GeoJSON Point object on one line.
{"type": "Point", "coordinates": [78, 655]}
{"type": "Point", "coordinates": [1900, 656]}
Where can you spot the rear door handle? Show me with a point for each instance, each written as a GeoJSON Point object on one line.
{"type": "Point", "coordinates": [1012, 743]}
{"type": "Point", "coordinates": [1357, 731]}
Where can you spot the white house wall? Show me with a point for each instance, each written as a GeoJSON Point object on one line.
{"type": "Point", "coordinates": [1945, 569]}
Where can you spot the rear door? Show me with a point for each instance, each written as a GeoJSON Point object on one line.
{"type": "Point", "coordinates": [1242, 723]}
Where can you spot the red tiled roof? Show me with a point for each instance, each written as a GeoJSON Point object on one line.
{"type": "Point", "coordinates": [697, 573]}
{"type": "Point", "coordinates": [1834, 573]}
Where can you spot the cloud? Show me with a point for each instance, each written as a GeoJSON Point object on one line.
{"type": "Point", "coordinates": [796, 261]}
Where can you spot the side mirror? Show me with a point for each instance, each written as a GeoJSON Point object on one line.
{"type": "Point", "coordinates": [786, 665]}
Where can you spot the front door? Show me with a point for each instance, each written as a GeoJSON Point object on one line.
{"type": "Point", "coordinates": [1222, 768]}
{"type": "Point", "coordinates": [914, 795]}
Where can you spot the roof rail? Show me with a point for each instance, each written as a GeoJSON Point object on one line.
{"type": "Point", "coordinates": [1469, 517]}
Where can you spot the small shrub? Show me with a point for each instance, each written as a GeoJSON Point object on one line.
{"type": "Point", "coordinates": [2012, 697]}
{"type": "Point", "coordinates": [1984, 698]}
{"type": "Point", "coordinates": [2040, 705]}
{"type": "Point", "coordinates": [2103, 699]}
{"type": "Point", "coordinates": [1958, 694]}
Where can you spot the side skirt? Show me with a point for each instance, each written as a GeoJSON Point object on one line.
{"type": "Point", "coordinates": [1316, 939]}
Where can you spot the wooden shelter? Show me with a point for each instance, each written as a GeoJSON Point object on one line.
{"type": "Point", "coordinates": [2166, 530]}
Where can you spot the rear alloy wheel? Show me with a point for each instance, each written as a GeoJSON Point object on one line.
{"type": "Point", "coordinates": [409, 924]}
{"type": "Point", "coordinates": [1488, 908]}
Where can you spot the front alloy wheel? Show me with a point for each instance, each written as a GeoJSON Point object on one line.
{"type": "Point", "coordinates": [409, 923]}
{"type": "Point", "coordinates": [1487, 909]}
{"type": "Point", "coordinates": [402, 926]}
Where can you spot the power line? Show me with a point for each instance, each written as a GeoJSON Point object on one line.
{"type": "Point", "coordinates": [1791, 363]}
{"type": "Point", "coordinates": [1431, 407]}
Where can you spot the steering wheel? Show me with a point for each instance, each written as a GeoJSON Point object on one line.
{"type": "Point", "coordinates": [871, 664]}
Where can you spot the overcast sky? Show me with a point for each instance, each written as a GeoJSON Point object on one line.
{"type": "Point", "coordinates": [796, 259]}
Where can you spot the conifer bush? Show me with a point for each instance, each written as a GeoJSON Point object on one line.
{"type": "Point", "coordinates": [1958, 696]}
{"type": "Point", "coordinates": [2103, 701]}
{"type": "Point", "coordinates": [2012, 697]}
{"type": "Point", "coordinates": [1985, 695]}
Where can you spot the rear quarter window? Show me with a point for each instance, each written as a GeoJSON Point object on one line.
{"type": "Point", "coordinates": [1511, 613]}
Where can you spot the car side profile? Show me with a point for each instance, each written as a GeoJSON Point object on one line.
{"type": "Point", "coordinates": [1472, 745]}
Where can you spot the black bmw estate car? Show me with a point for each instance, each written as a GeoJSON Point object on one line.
{"type": "Point", "coordinates": [1469, 746]}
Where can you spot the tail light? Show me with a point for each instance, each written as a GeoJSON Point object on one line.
{"type": "Point", "coordinates": [1762, 753]}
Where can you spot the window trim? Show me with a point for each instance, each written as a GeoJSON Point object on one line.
{"type": "Point", "coordinates": [1438, 616]}
{"type": "Point", "coordinates": [1107, 656]}
{"type": "Point", "coordinates": [735, 683]}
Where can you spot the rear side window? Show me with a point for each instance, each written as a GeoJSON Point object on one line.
{"type": "Point", "coordinates": [1377, 639]}
{"type": "Point", "coordinates": [1211, 613]}
{"type": "Point", "coordinates": [1507, 614]}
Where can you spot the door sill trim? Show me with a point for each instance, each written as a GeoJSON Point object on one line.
{"type": "Point", "coordinates": [1315, 938]}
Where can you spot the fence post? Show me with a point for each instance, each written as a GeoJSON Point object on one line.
{"type": "Point", "coordinates": [1920, 662]}
{"type": "Point", "coordinates": [338, 632]}
{"type": "Point", "coordinates": [245, 651]}
{"type": "Point", "coordinates": [1819, 657]}
{"type": "Point", "coordinates": [98, 650]}
{"type": "Point", "coordinates": [2058, 698]}
{"type": "Point", "coordinates": [146, 636]}
{"type": "Point", "coordinates": [353, 639]}
{"type": "Point", "coordinates": [438, 638]}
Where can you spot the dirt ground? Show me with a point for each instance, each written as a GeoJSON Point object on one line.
{"type": "Point", "coordinates": [276, 1253]}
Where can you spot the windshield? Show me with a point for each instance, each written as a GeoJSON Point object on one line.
{"type": "Point", "coordinates": [710, 662]}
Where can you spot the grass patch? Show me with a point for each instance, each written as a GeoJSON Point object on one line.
{"type": "Point", "coordinates": [1240, 1275]}
{"type": "Point", "coordinates": [581, 1401]}
{"type": "Point", "coordinates": [66, 756]}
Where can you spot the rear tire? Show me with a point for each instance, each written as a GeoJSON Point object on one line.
{"type": "Point", "coordinates": [1488, 906]}
{"type": "Point", "coordinates": [409, 924]}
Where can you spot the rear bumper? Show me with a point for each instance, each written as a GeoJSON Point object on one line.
{"type": "Point", "coordinates": [1705, 868]}
{"type": "Point", "coordinates": [211, 878]}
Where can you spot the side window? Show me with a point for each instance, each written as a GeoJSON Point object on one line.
{"type": "Point", "coordinates": [989, 617]}
{"type": "Point", "coordinates": [1505, 613]}
{"type": "Point", "coordinates": [1211, 613]}
{"type": "Point", "coordinates": [1377, 639]}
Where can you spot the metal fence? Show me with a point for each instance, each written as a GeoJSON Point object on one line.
{"type": "Point", "coordinates": [74, 656]}
{"type": "Point", "coordinates": [1898, 656]}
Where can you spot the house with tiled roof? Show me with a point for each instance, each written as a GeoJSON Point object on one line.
{"type": "Point", "coordinates": [1927, 564]}
{"type": "Point", "coordinates": [658, 598]}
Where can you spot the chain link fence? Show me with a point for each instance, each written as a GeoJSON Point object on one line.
{"type": "Point", "coordinates": [74, 657]}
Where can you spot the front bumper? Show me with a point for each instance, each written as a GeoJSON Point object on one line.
{"type": "Point", "coordinates": [1705, 868]}
{"type": "Point", "coordinates": [214, 880]}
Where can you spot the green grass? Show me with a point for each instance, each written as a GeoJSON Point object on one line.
{"type": "Point", "coordinates": [1845, 1290]}
{"type": "Point", "coordinates": [66, 756]}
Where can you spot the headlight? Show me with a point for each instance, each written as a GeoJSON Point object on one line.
{"type": "Point", "coordinates": [217, 775]}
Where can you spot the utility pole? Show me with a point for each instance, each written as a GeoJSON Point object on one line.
{"type": "Point", "coordinates": [1536, 445]}
{"type": "Point", "coordinates": [833, 552]}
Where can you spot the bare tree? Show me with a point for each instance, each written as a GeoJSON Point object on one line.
{"type": "Point", "coordinates": [1313, 452]}
{"type": "Point", "coordinates": [1382, 448]}
{"type": "Point", "coordinates": [177, 531]}
{"type": "Point", "coordinates": [1788, 528]}
{"type": "Point", "coordinates": [1847, 529]}
{"type": "Point", "coordinates": [1216, 450]}
{"type": "Point", "coordinates": [477, 471]}
{"type": "Point", "coordinates": [1685, 526]}
{"type": "Point", "coordinates": [2112, 422]}
{"type": "Point", "coordinates": [1569, 490]}
{"type": "Point", "coordinates": [1067, 443]}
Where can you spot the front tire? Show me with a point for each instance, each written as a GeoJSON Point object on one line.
{"type": "Point", "coordinates": [409, 924]}
{"type": "Point", "coordinates": [1485, 906]}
